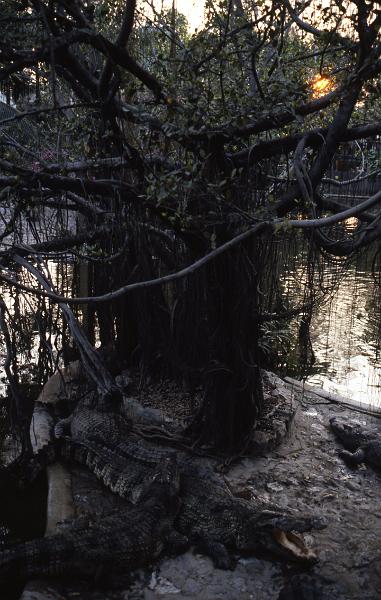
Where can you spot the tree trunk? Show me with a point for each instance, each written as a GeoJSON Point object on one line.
{"type": "Point", "coordinates": [233, 391]}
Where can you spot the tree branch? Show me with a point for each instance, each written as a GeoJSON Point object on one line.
{"type": "Point", "coordinates": [277, 224]}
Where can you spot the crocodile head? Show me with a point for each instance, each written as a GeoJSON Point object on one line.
{"type": "Point", "coordinates": [276, 534]}
{"type": "Point", "coordinates": [351, 435]}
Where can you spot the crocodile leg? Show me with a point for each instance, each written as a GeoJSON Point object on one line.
{"type": "Point", "coordinates": [352, 458]}
{"type": "Point", "coordinates": [175, 542]}
{"type": "Point", "coordinates": [62, 428]}
{"type": "Point", "coordinates": [217, 551]}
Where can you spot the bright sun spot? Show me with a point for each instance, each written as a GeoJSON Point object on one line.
{"type": "Point", "coordinates": [321, 85]}
{"type": "Point", "coordinates": [192, 9]}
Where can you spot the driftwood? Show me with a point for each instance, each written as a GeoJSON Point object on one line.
{"type": "Point", "coordinates": [60, 505]}
{"type": "Point", "coordinates": [60, 502]}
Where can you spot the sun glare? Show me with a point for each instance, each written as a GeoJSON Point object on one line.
{"type": "Point", "coordinates": [321, 84]}
{"type": "Point", "coordinates": [192, 9]}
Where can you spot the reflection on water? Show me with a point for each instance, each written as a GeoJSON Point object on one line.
{"type": "Point", "coordinates": [345, 328]}
{"type": "Point", "coordinates": [345, 335]}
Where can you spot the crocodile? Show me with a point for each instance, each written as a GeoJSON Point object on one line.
{"type": "Point", "coordinates": [116, 542]}
{"type": "Point", "coordinates": [218, 523]}
{"type": "Point", "coordinates": [214, 520]}
{"type": "Point", "coordinates": [361, 444]}
{"type": "Point", "coordinates": [210, 515]}
{"type": "Point", "coordinates": [222, 525]}
{"type": "Point", "coordinates": [88, 421]}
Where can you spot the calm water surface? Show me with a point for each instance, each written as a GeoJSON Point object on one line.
{"type": "Point", "coordinates": [345, 333]}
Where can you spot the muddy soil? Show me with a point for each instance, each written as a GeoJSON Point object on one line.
{"type": "Point", "coordinates": [306, 474]}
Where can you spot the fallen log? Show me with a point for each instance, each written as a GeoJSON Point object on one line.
{"type": "Point", "coordinates": [366, 409]}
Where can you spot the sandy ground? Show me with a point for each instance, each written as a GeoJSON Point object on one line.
{"type": "Point", "coordinates": [304, 473]}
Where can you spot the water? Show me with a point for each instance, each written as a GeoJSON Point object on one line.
{"type": "Point", "coordinates": [345, 329]}
{"type": "Point", "coordinates": [345, 335]}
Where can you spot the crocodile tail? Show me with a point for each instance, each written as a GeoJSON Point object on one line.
{"type": "Point", "coordinates": [101, 461]}
{"type": "Point", "coordinates": [44, 557]}
{"type": "Point", "coordinates": [110, 468]}
{"type": "Point", "coordinates": [85, 453]}
{"type": "Point", "coordinates": [13, 564]}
